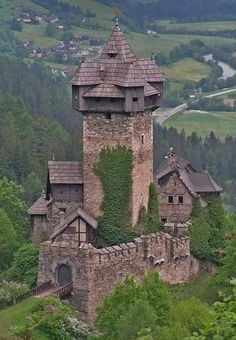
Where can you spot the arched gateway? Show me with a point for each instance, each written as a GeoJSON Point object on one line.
{"type": "Point", "coordinates": [64, 274]}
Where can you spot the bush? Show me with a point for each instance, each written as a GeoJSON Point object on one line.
{"type": "Point", "coordinates": [9, 291]}
{"type": "Point", "coordinates": [55, 320]}
{"type": "Point", "coordinates": [25, 265]}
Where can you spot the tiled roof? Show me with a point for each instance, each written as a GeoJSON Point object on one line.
{"type": "Point", "coordinates": [71, 217]}
{"type": "Point", "coordinates": [106, 91]}
{"type": "Point", "coordinates": [39, 207]}
{"type": "Point", "coordinates": [65, 172]}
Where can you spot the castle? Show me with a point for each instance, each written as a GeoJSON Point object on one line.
{"type": "Point", "coordinates": [116, 95]}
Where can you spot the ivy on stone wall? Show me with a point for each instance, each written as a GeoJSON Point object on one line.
{"type": "Point", "coordinates": [207, 230]}
{"type": "Point", "coordinates": [114, 169]}
{"type": "Point", "coordinates": [152, 219]}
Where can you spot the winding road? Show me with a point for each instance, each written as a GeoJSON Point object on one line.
{"type": "Point", "coordinates": [160, 119]}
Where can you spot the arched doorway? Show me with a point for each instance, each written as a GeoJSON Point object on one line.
{"type": "Point", "coordinates": [64, 274]}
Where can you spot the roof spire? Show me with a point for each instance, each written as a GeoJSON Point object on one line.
{"type": "Point", "coordinates": [117, 21]}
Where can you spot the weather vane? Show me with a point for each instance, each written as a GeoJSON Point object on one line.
{"type": "Point", "coordinates": [116, 11]}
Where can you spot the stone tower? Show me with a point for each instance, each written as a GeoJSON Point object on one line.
{"type": "Point", "coordinates": [116, 94]}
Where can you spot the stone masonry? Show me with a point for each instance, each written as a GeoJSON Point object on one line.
{"type": "Point", "coordinates": [95, 272]}
{"type": "Point", "coordinates": [134, 132]}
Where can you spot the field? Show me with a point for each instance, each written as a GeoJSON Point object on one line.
{"type": "Point", "coordinates": [36, 33]}
{"type": "Point", "coordinates": [203, 26]}
{"type": "Point", "coordinates": [187, 69]}
{"type": "Point", "coordinates": [221, 123]}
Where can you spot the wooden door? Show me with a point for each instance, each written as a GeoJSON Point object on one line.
{"type": "Point", "coordinates": [64, 274]}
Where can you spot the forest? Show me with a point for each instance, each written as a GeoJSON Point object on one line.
{"type": "Point", "coordinates": [184, 10]}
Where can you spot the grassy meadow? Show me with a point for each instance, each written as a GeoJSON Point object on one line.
{"type": "Point", "coordinates": [203, 26]}
{"type": "Point", "coordinates": [15, 316]}
{"type": "Point", "coordinates": [221, 123]}
{"type": "Point", "coordinates": [187, 69]}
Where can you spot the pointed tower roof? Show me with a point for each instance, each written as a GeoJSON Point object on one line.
{"type": "Point", "coordinates": [118, 47]}
{"type": "Point", "coordinates": [118, 66]}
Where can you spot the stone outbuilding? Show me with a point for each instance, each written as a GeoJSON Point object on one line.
{"type": "Point", "coordinates": [178, 183]}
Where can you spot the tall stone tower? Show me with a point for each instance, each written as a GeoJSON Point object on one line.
{"type": "Point", "coordinates": [116, 95]}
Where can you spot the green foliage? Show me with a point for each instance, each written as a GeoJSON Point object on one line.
{"type": "Point", "coordinates": [56, 320]}
{"type": "Point", "coordinates": [138, 317]}
{"type": "Point", "coordinates": [50, 31]}
{"type": "Point", "coordinates": [114, 170]}
{"type": "Point", "coordinates": [32, 188]}
{"type": "Point", "coordinates": [156, 293]}
{"type": "Point", "coordinates": [152, 218]}
{"type": "Point", "coordinates": [9, 291]}
{"type": "Point", "coordinates": [199, 238]}
{"type": "Point", "coordinates": [11, 202]}
{"type": "Point", "coordinates": [227, 271]}
{"type": "Point", "coordinates": [122, 306]}
{"type": "Point", "coordinates": [8, 241]}
{"type": "Point", "coordinates": [207, 233]}
{"type": "Point", "coordinates": [24, 267]}
{"type": "Point", "coordinates": [192, 314]}
{"type": "Point", "coordinates": [223, 326]}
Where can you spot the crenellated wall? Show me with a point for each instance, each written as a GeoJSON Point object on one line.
{"type": "Point", "coordinates": [95, 272]}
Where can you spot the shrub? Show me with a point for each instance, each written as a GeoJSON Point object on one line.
{"type": "Point", "coordinates": [25, 265]}
{"type": "Point", "coordinates": [9, 291]}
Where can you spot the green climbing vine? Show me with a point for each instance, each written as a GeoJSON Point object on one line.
{"type": "Point", "coordinates": [152, 219]}
{"type": "Point", "coordinates": [114, 169]}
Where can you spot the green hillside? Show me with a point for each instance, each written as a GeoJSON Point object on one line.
{"type": "Point", "coordinates": [221, 123]}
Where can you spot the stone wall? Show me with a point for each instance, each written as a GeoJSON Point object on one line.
{"type": "Point", "coordinates": [96, 272]}
{"type": "Point", "coordinates": [40, 228]}
{"type": "Point", "coordinates": [134, 132]}
{"type": "Point", "coordinates": [175, 212]}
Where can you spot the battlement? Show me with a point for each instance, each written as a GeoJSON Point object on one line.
{"type": "Point", "coordinates": [155, 248]}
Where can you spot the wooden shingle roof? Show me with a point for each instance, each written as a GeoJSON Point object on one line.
{"type": "Point", "coordinates": [150, 70]}
{"type": "Point", "coordinates": [118, 45]}
{"type": "Point", "coordinates": [118, 65]}
{"type": "Point", "coordinates": [39, 207]}
{"type": "Point", "coordinates": [106, 91]}
{"type": "Point", "coordinates": [65, 172]}
{"type": "Point", "coordinates": [197, 182]}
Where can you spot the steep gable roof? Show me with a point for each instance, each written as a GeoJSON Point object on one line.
{"type": "Point", "coordinates": [196, 182]}
{"type": "Point", "coordinates": [71, 217]}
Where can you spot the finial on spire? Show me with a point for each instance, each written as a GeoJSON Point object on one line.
{"type": "Point", "coordinates": [53, 156]}
{"type": "Point", "coordinates": [171, 153]}
{"type": "Point", "coordinates": [117, 21]}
